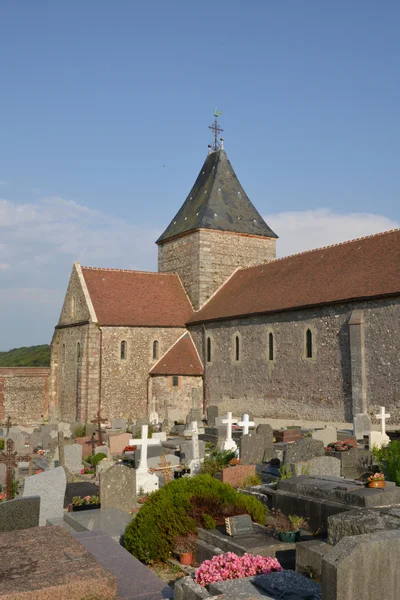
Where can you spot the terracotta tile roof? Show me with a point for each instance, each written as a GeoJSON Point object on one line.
{"type": "Point", "coordinates": [362, 268]}
{"type": "Point", "coordinates": [181, 359]}
{"type": "Point", "coordinates": [136, 298]}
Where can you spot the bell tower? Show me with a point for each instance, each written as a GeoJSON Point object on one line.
{"type": "Point", "coordinates": [216, 230]}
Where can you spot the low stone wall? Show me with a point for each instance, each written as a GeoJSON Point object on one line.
{"type": "Point", "coordinates": [24, 394]}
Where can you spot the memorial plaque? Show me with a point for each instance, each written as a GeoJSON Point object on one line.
{"type": "Point", "coordinates": [239, 525]}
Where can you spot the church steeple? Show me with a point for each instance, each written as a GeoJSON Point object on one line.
{"type": "Point", "coordinates": [216, 230]}
{"type": "Point", "coordinates": [217, 201]}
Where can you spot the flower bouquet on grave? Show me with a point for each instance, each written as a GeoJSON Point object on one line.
{"type": "Point", "coordinates": [338, 447]}
{"type": "Point", "coordinates": [231, 566]}
{"type": "Point", "coordinates": [85, 503]}
{"type": "Point", "coordinates": [287, 529]}
{"type": "Point", "coordinates": [234, 462]}
{"type": "Point", "coordinates": [377, 480]}
{"type": "Point", "coordinates": [3, 497]}
{"type": "Point", "coordinates": [129, 448]}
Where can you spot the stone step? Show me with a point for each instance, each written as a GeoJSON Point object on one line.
{"type": "Point", "coordinates": [134, 580]}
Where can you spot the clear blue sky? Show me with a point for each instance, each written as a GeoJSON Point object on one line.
{"type": "Point", "coordinates": [96, 96]}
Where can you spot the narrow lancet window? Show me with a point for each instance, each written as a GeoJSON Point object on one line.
{"type": "Point", "coordinates": [309, 344]}
{"type": "Point", "coordinates": [78, 351]}
{"type": "Point", "coordinates": [123, 350]}
{"type": "Point", "coordinates": [271, 346]}
{"type": "Point", "coordinates": [237, 348]}
{"type": "Point", "coordinates": [155, 350]}
{"type": "Point", "coordinates": [208, 350]}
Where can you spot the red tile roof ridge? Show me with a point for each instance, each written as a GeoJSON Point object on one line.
{"type": "Point", "coordinates": [359, 239]}
{"type": "Point", "coordinates": [127, 271]}
{"type": "Point", "coordinates": [169, 349]}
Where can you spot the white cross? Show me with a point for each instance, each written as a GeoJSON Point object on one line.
{"type": "Point", "coordinates": [144, 443]}
{"type": "Point", "coordinates": [194, 432]}
{"type": "Point", "coordinates": [245, 423]}
{"type": "Point", "coordinates": [229, 444]}
{"type": "Point", "coordinates": [383, 415]}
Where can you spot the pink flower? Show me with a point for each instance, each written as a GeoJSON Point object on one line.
{"type": "Point", "coordinates": [232, 566]}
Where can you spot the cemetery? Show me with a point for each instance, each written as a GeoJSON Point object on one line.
{"type": "Point", "coordinates": [217, 506]}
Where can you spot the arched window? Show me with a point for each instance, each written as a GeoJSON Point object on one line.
{"type": "Point", "coordinates": [123, 350]}
{"type": "Point", "coordinates": [156, 347]}
{"type": "Point", "coordinates": [237, 348]}
{"type": "Point", "coordinates": [73, 307]}
{"type": "Point", "coordinates": [78, 351]}
{"type": "Point", "coordinates": [271, 353]}
{"type": "Point", "coordinates": [208, 349]}
{"type": "Point", "coordinates": [63, 354]}
{"type": "Point", "coordinates": [309, 344]}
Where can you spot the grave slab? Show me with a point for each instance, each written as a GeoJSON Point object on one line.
{"type": "Point", "coordinates": [302, 450]}
{"type": "Point", "coordinates": [50, 486]}
{"type": "Point", "coordinates": [356, 522]}
{"type": "Point", "coordinates": [26, 573]}
{"type": "Point", "coordinates": [321, 465]}
{"type": "Point", "coordinates": [119, 442]}
{"type": "Point", "coordinates": [21, 513]}
{"type": "Point", "coordinates": [326, 435]}
{"type": "Point", "coordinates": [111, 521]}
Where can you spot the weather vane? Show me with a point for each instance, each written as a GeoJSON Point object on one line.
{"type": "Point", "coordinates": [216, 130]}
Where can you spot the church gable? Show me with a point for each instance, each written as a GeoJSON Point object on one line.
{"type": "Point", "coordinates": [181, 359]}
{"type": "Point", "coordinates": [77, 307]}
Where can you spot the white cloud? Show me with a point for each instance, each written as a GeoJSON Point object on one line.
{"type": "Point", "coordinates": [2, 182]}
{"type": "Point", "coordinates": [4, 266]}
{"type": "Point", "coordinates": [305, 230]}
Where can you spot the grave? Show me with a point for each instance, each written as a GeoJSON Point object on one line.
{"type": "Point", "coordinates": [251, 448]}
{"type": "Point", "coordinates": [362, 425]}
{"type": "Point", "coordinates": [317, 498]}
{"type": "Point", "coordinates": [79, 488]}
{"type": "Point", "coordinates": [119, 423]}
{"type": "Point", "coordinates": [118, 488]}
{"type": "Point", "coordinates": [145, 480]}
{"type": "Point", "coordinates": [119, 442]}
{"type": "Point", "coordinates": [20, 513]}
{"type": "Point", "coordinates": [368, 520]}
{"type": "Point", "coordinates": [111, 521]}
{"type": "Point", "coordinates": [228, 443]}
{"type": "Point", "coordinates": [72, 457]}
{"type": "Point", "coordinates": [102, 450]}
{"type": "Point", "coordinates": [287, 435]}
{"type": "Point", "coordinates": [267, 433]}
{"type": "Point", "coordinates": [212, 413]}
{"type": "Point", "coordinates": [354, 462]}
{"type": "Point", "coordinates": [302, 450]}
{"type": "Point", "coordinates": [326, 435]}
{"type": "Point", "coordinates": [194, 453]}
{"type": "Point", "coordinates": [321, 465]}
{"type": "Point", "coordinates": [246, 423]}
{"type": "Point", "coordinates": [50, 486]}
{"type": "Point", "coordinates": [45, 563]}
{"type": "Point", "coordinates": [363, 566]}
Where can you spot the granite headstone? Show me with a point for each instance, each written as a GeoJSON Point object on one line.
{"type": "Point", "coordinates": [50, 487]}
{"type": "Point", "coordinates": [118, 488]}
{"type": "Point", "coordinates": [20, 513]}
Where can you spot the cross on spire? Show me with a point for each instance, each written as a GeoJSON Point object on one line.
{"type": "Point", "coordinates": [216, 129]}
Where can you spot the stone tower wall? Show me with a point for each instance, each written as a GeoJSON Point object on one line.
{"type": "Point", "coordinates": [205, 258]}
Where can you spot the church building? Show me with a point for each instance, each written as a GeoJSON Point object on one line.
{"type": "Point", "coordinates": [314, 336]}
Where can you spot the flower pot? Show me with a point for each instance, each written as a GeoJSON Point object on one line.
{"type": "Point", "coordinates": [85, 507]}
{"type": "Point", "coordinates": [186, 559]}
{"type": "Point", "coordinates": [381, 483]}
{"type": "Point", "coordinates": [289, 537]}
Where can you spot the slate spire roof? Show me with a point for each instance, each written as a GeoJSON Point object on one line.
{"type": "Point", "coordinates": [217, 201]}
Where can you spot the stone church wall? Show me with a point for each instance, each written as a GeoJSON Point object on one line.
{"type": "Point", "coordinates": [75, 309]}
{"type": "Point", "coordinates": [178, 399]}
{"type": "Point", "coordinates": [24, 394]}
{"type": "Point", "coordinates": [292, 386]}
{"type": "Point", "coordinates": [206, 258]}
{"type": "Point", "coordinates": [124, 389]}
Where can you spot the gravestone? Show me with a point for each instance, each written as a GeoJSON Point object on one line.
{"type": "Point", "coordinates": [326, 435]}
{"type": "Point", "coordinates": [102, 450]}
{"type": "Point", "coordinates": [212, 413]}
{"type": "Point", "coordinates": [119, 424]}
{"type": "Point", "coordinates": [50, 487]}
{"type": "Point", "coordinates": [145, 480]}
{"type": "Point", "coordinates": [90, 429]}
{"type": "Point", "coordinates": [72, 457]}
{"type": "Point", "coordinates": [362, 425]}
{"type": "Point", "coordinates": [119, 442]}
{"type": "Point", "coordinates": [16, 435]}
{"type": "Point", "coordinates": [320, 465]}
{"type": "Point", "coordinates": [160, 435]}
{"type": "Point", "coordinates": [267, 433]}
{"type": "Point", "coordinates": [195, 414]}
{"type": "Point", "coordinates": [363, 566]}
{"type": "Point", "coordinates": [103, 466]}
{"type": "Point", "coordinates": [118, 488]}
{"type": "Point", "coordinates": [3, 474]}
{"type": "Point", "coordinates": [187, 452]}
{"type": "Point", "coordinates": [167, 425]}
{"type": "Point", "coordinates": [302, 450]}
{"type": "Point", "coordinates": [287, 435]}
{"type": "Point", "coordinates": [20, 513]}
{"type": "Point", "coordinates": [239, 525]}
{"type": "Point", "coordinates": [366, 520]}
{"type": "Point", "coordinates": [251, 448]}
{"type": "Point", "coordinates": [228, 443]}
{"type": "Point", "coordinates": [142, 421]}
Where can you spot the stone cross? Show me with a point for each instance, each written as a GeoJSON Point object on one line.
{"type": "Point", "coordinates": [93, 443]}
{"type": "Point", "coordinates": [383, 415]}
{"type": "Point", "coordinates": [98, 421]}
{"type": "Point", "coordinates": [11, 460]}
{"type": "Point", "coordinates": [8, 423]}
{"type": "Point", "coordinates": [229, 444]}
{"type": "Point", "coordinates": [246, 423]}
{"type": "Point", "coordinates": [194, 433]}
{"type": "Point", "coordinates": [145, 442]}
{"type": "Point", "coordinates": [164, 468]}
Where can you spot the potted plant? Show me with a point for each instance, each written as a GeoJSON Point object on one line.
{"type": "Point", "coordinates": [184, 547]}
{"type": "Point", "coordinates": [288, 528]}
{"type": "Point", "coordinates": [377, 480]}
{"type": "Point", "coordinates": [85, 503]}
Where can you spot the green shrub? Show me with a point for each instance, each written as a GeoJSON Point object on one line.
{"type": "Point", "coordinates": [178, 508]}
{"type": "Point", "coordinates": [1, 444]}
{"type": "Point", "coordinates": [79, 431]}
{"type": "Point", "coordinates": [285, 472]}
{"type": "Point", "coordinates": [208, 521]}
{"type": "Point", "coordinates": [218, 460]}
{"type": "Point", "coordinates": [94, 460]}
{"type": "Point", "coordinates": [388, 459]}
{"type": "Point", "coordinates": [251, 480]}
